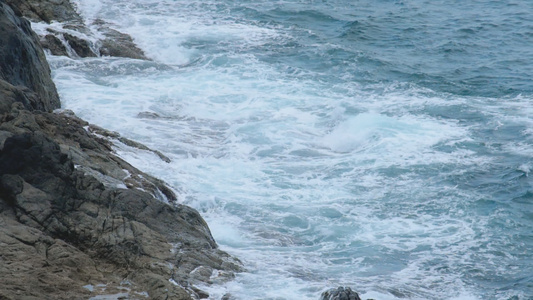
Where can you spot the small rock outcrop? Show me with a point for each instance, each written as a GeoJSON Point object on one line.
{"type": "Point", "coordinates": [77, 221]}
{"type": "Point", "coordinates": [46, 11]}
{"type": "Point", "coordinates": [23, 66]}
{"type": "Point", "coordinates": [340, 293]}
{"type": "Point", "coordinates": [76, 39]}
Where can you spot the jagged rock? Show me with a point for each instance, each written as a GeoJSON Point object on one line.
{"type": "Point", "coordinates": [10, 94]}
{"type": "Point", "coordinates": [134, 235]}
{"type": "Point", "coordinates": [117, 44]}
{"type": "Point", "coordinates": [23, 63]}
{"type": "Point", "coordinates": [80, 46]}
{"type": "Point", "coordinates": [114, 43]}
{"type": "Point", "coordinates": [116, 136]}
{"type": "Point", "coordinates": [76, 221]}
{"type": "Point", "coordinates": [91, 154]}
{"type": "Point", "coordinates": [46, 10]}
{"type": "Point", "coordinates": [340, 293]}
{"type": "Point", "coordinates": [54, 44]}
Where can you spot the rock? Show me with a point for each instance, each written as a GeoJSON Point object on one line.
{"type": "Point", "coordinates": [23, 63]}
{"type": "Point", "coordinates": [227, 296]}
{"type": "Point", "coordinates": [80, 46]}
{"type": "Point", "coordinates": [148, 115]}
{"type": "Point", "coordinates": [54, 44]}
{"type": "Point", "coordinates": [137, 236]}
{"type": "Point", "coordinates": [46, 11]}
{"type": "Point", "coordinates": [10, 94]}
{"type": "Point", "coordinates": [116, 43]}
{"type": "Point", "coordinates": [76, 221]}
{"type": "Point", "coordinates": [340, 293]}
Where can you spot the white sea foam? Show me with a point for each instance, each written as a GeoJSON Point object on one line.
{"type": "Point", "coordinates": [312, 184]}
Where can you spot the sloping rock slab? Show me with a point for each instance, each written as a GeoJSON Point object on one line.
{"type": "Point", "coordinates": [58, 217]}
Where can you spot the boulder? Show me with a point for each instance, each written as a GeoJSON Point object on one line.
{"type": "Point", "coordinates": [80, 46]}
{"type": "Point", "coordinates": [340, 293]}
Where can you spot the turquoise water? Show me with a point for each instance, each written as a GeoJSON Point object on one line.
{"type": "Point", "coordinates": [383, 145]}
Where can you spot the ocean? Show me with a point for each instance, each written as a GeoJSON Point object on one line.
{"type": "Point", "coordinates": [384, 145]}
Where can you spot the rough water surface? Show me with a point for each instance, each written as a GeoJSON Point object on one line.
{"type": "Point", "coordinates": [382, 145]}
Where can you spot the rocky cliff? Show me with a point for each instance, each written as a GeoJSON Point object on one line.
{"type": "Point", "coordinates": [76, 221]}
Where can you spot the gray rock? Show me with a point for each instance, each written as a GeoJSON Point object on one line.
{"type": "Point", "coordinates": [117, 44]}
{"type": "Point", "coordinates": [114, 43]}
{"type": "Point", "coordinates": [10, 94]}
{"type": "Point", "coordinates": [80, 46]}
{"type": "Point", "coordinates": [46, 10]}
{"type": "Point", "coordinates": [23, 63]}
{"type": "Point", "coordinates": [340, 293]}
{"type": "Point", "coordinates": [54, 44]}
{"type": "Point", "coordinates": [76, 221]}
{"type": "Point", "coordinates": [129, 232]}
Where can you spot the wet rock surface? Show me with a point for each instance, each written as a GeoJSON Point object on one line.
{"type": "Point", "coordinates": [76, 220]}
{"type": "Point", "coordinates": [77, 37]}
{"type": "Point", "coordinates": [23, 64]}
{"type": "Point", "coordinates": [340, 293]}
{"type": "Point", "coordinates": [137, 237]}
{"type": "Point", "coordinates": [46, 10]}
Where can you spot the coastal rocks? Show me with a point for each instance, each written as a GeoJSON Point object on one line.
{"type": "Point", "coordinates": [10, 94]}
{"type": "Point", "coordinates": [54, 45]}
{"type": "Point", "coordinates": [47, 11]}
{"type": "Point", "coordinates": [23, 63]}
{"type": "Point", "coordinates": [80, 46]}
{"type": "Point", "coordinates": [74, 37]}
{"type": "Point", "coordinates": [340, 293]}
{"type": "Point", "coordinates": [137, 237]}
{"type": "Point", "coordinates": [116, 43]}
{"type": "Point", "coordinates": [76, 221]}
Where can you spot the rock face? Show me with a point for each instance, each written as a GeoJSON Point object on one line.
{"type": "Point", "coordinates": [47, 11]}
{"type": "Point", "coordinates": [23, 64]}
{"type": "Point", "coordinates": [53, 202]}
{"type": "Point", "coordinates": [340, 293]}
{"type": "Point", "coordinates": [81, 40]}
{"type": "Point", "coordinates": [76, 221]}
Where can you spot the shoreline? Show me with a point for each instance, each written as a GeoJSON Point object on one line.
{"type": "Point", "coordinates": [77, 220]}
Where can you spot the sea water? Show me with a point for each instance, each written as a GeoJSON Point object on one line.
{"type": "Point", "coordinates": [384, 145]}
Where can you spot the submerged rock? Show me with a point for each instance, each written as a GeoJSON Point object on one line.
{"type": "Point", "coordinates": [340, 293]}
